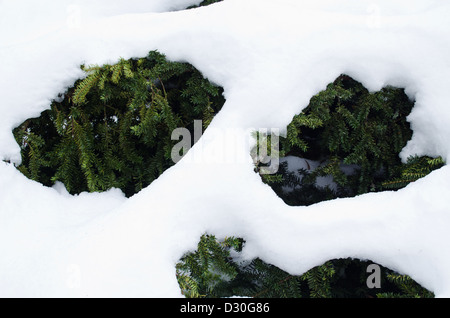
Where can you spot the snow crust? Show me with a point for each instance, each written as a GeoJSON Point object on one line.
{"type": "Point", "coordinates": [271, 57]}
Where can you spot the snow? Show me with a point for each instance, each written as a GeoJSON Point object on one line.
{"type": "Point", "coordinates": [271, 58]}
{"type": "Point", "coordinates": [294, 164]}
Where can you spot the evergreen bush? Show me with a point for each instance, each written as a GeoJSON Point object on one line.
{"type": "Point", "coordinates": [113, 128]}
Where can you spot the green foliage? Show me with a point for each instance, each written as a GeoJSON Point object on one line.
{"type": "Point", "coordinates": [407, 287]}
{"type": "Point", "coordinates": [414, 169]}
{"type": "Point", "coordinates": [113, 128]}
{"type": "Point", "coordinates": [206, 271]}
{"type": "Point", "coordinates": [347, 125]}
{"type": "Point", "coordinates": [211, 271]}
{"type": "Point", "coordinates": [261, 280]}
{"type": "Point", "coordinates": [318, 280]}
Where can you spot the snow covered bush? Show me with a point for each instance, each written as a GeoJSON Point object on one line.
{"type": "Point", "coordinates": [270, 58]}
{"type": "Point", "coordinates": [345, 143]}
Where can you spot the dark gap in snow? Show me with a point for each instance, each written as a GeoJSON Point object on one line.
{"type": "Point", "coordinates": [346, 142]}
{"type": "Point", "coordinates": [113, 128]}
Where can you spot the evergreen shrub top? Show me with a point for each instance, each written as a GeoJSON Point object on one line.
{"type": "Point", "coordinates": [113, 128]}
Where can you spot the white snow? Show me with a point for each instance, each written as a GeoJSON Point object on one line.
{"type": "Point", "coordinates": [271, 57]}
